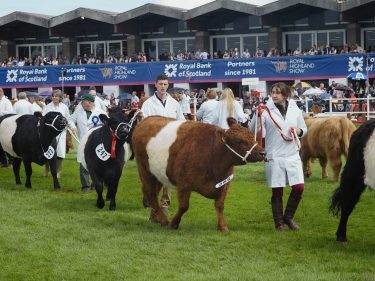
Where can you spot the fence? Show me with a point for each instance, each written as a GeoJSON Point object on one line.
{"type": "Point", "coordinates": [358, 107]}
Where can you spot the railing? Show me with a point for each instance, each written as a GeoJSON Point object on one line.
{"type": "Point", "coordinates": [347, 106]}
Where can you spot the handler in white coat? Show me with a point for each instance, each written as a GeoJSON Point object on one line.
{"type": "Point", "coordinates": [207, 110]}
{"type": "Point", "coordinates": [161, 103]}
{"type": "Point", "coordinates": [282, 125]}
{"type": "Point", "coordinates": [85, 117]}
{"type": "Point", "coordinates": [57, 106]}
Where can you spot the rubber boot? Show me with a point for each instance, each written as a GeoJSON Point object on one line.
{"type": "Point", "coordinates": [277, 212]}
{"type": "Point", "coordinates": [290, 210]}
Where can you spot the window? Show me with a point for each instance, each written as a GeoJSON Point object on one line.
{"type": "Point", "coordinates": [331, 17]}
{"type": "Point", "coordinates": [178, 45]}
{"type": "Point", "coordinates": [34, 50]}
{"type": "Point", "coordinates": [182, 26]}
{"type": "Point", "coordinates": [149, 47]}
{"type": "Point", "coordinates": [233, 42]}
{"type": "Point", "coordinates": [292, 42]}
{"type": "Point", "coordinates": [307, 41]}
{"type": "Point", "coordinates": [23, 52]}
{"type": "Point", "coordinates": [369, 39]}
{"type": "Point", "coordinates": [250, 42]}
{"type": "Point", "coordinates": [218, 44]}
{"type": "Point", "coordinates": [255, 22]}
{"type": "Point", "coordinates": [155, 47]}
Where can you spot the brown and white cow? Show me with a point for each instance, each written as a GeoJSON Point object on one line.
{"type": "Point", "coordinates": [327, 139]}
{"type": "Point", "coordinates": [190, 156]}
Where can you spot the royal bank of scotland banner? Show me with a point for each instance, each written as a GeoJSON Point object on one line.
{"type": "Point", "coordinates": [278, 68]}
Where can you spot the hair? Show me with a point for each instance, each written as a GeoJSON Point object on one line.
{"type": "Point", "coordinates": [211, 94]}
{"type": "Point", "coordinates": [22, 95]}
{"type": "Point", "coordinates": [228, 96]}
{"type": "Point", "coordinates": [161, 77]}
{"type": "Point", "coordinates": [92, 88]}
{"type": "Point", "coordinates": [283, 88]}
{"type": "Point", "coordinates": [58, 93]}
{"type": "Point", "coordinates": [2, 91]}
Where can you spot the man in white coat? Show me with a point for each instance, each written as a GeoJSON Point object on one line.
{"type": "Point", "coordinates": [207, 110]}
{"type": "Point", "coordinates": [85, 117]}
{"type": "Point", "coordinates": [185, 104]}
{"type": "Point", "coordinates": [282, 124]}
{"type": "Point", "coordinates": [23, 106]}
{"type": "Point", "coordinates": [161, 103]}
{"type": "Point", "coordinates": [5, 108]}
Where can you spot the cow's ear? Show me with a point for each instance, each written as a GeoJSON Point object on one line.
{"type": "Point", "coordinates": [231, 121]}
{"type": "Point", "coordinates": [38, 114]}
{"type": "Point", "coordinates": [103, 118]}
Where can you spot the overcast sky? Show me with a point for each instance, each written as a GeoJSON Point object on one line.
{"type": "Point", "coordinates": [59, 7]}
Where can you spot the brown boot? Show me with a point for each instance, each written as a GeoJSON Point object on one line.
{"type": "Point", "coordinates": [277, 212]}
{"type": "Point", "coordinates": [290, 210]}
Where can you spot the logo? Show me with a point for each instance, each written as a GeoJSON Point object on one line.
{"type": "Point", "coordinates": [355, 64]}
{"type": "Point", "coordinates": [170, 70]}
{"type": "Point", "coordinates": [280, 66]}
{"type": "Point", "coordinates": [106, 72]}
{"type": "Point", "coordinates": [12, 75]}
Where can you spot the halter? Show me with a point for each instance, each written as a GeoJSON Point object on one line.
{"type": "Point", "coordinates": [243, 158]}
{"type": "Point", "coordinates": [52, 124]}
{"type": "Point", "coordinates": [294, 138]}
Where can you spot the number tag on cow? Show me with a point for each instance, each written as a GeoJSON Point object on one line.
{"type": "Point", "coordinates": [102, 153]}
{"type": "Point", "coordinates": [49, 153]}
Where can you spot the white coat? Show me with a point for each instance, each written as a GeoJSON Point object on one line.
{"type": "Point", "coordinates": [5, 106]}
{"type": "Point", "coordinates": [222, 114]}
{"type": "Point", "coordinates": [61, 138]}
{"type": "Point", "coordinates": [207, 111]}
{"type": "Point", "coordinates": [185, 104]}
{"type": "Point", "coordinates": [153, 106]}
{"type": "Point", "coordinates": [23, 107]}
{"type": "Point", "coordinates": [79, 117]}
{"type": "Point", "coordinates": [284, 165]}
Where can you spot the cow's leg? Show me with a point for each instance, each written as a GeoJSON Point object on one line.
{"type": "Point", "coordinates": [151, 188]}
{"type": "Point", "coordinates": [28, 171]}
{"type": "Point", "coordinates": [111, 194]}
{"type": "Point", "coordinates": [306, 167]}
{"type": "Point", "coordinates": [183, 197]}
{"type": "Point", "coordinates": [336, 164]}
{"type": "Point", "coordinates": [16, 169]}
{"type": "Point", "coordinates": [52, 167]}
{"type": "Point", "coordinates": [323, 164]}
{"type": "Point", "coordinates": [219, 205]}
{"type": "Point", "coordinates": [98, 183]}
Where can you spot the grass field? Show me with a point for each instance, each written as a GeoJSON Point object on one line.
{"type": "Point", "coordinates": [48, 235]}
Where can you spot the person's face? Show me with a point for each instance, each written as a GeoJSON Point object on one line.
{"type": "Point", "coordinates": [162, 86]}
{"type": "Point", "coordinates": [276, 96]}
{"type": "Point", "coordinates": [87, 105]}
{"type": "Point", "coordinates": [55, 99]}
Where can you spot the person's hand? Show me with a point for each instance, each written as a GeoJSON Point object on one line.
{"type": "Point", "coordinates": [297, 130]}
{"type": "Point", "coordinates": [74, 130]}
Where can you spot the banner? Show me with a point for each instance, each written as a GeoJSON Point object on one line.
{"type": "Point", "coordinates": [275, 68]}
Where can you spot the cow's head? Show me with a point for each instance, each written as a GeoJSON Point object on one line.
{"type": "Point", "coordinates": [242, 143]}
{"type": "Point", "coordinates": [54, 120]}
{"type": "Point", "coordinates": [119, 123]}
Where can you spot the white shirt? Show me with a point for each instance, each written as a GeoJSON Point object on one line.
{"type": "Point", "coordinates": [284, 165]}
{"type": "Point", "coordinates": [5, 106]}
{"type": "Point", "coordinates": [206, 112]}
{"type": "Point", "coordinates": [36, 107]}
{"type": "Point", "coordinates": [221, 114]}
{"type": "Point", "coordinates": [153, 106]}
{"type": "Point", "coordinates": [134, 99]}
{"type": "Point", "coordinates": [23, 107]}
{"type": "Point", "coordinates": [61, 138]}
{"type": "Point", "coordinates": [185, 104]}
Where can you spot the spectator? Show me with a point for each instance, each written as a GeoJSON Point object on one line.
{"type": "Point", "coordinates": [23, 106]}
{"type": "Point", "coordinates": [206, 112]}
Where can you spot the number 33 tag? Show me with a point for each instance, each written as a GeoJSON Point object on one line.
{"type": "Point", "coordinates": [49, 153]}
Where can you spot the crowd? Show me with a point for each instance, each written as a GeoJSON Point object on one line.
{"type": "Point", "coordinates": [182, 55]}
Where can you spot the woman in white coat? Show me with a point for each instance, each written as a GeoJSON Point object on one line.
{"type": "Point", "coordinates": [282, 124]}
{"type": "Point", "coordinates": [228, 107]}
{"type": "Point", "coordinates": [57, 106]}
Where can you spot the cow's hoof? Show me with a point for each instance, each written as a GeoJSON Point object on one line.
{"type": "Point", "coordinates": [57, 189]}
{"type": "Point", "coordinates": [18, 182]}
{"type": "Point", "coordinates": [145, 202]}
{"type": "Point", "coordinates": [100, 204]}
{"type": "Point", "coordinates": [28, 185]}
{"type": "Point", "coordinates": [342, 240]}
{"type": "Point", "coordinates": [173, 225]}
{"type": "Point", "coordinates": [223, 228]}
{"type": "Point", "coordinates": [86, 189]}
{"type": "Point", "coordinates": [112, 208]}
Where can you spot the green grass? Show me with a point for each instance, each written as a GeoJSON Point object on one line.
{"type": "Point", "coordinates": [48, 235]}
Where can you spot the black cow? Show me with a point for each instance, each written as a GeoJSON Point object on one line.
{"type": "Point", "coordinates": [31, 138]}
{"type": "Point", "coordinates": [358, 172]}
{"type": "Point", "coordinates": [103, 151]}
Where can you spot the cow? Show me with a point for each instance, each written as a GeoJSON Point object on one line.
{"type": "Point", "coordinates": [103, 153]}
{"type": "Point", "coordinates": [358, 172]}
{"type": "Point", "coordinates": [190, 156]}
{"type": "Point", "coordinates": [327, 139]}
{"type": "Point", "coordinates": [32, 138]}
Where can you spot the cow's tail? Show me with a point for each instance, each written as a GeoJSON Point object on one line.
{"type": "Point", "coordinates": [346, 196]}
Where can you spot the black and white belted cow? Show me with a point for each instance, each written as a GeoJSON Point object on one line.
{"type": "Point", "coordinates": [359, 172]}
{"type": "Point", "coordinates": [103, 152]}
{"type": "Point", "coordinates": [32, 138]}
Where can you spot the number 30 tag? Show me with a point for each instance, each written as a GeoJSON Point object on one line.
{"type": "Point", "coordinates": [49, 153]}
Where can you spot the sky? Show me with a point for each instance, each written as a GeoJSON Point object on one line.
{"type": "Point", "coordinates": [55, 8]}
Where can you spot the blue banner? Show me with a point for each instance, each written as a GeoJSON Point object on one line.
{"type": "Point", "coordinates": [276, 68]}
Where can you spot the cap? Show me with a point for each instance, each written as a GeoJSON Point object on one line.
{"type": "Point", "coordinates": [88, 97]}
